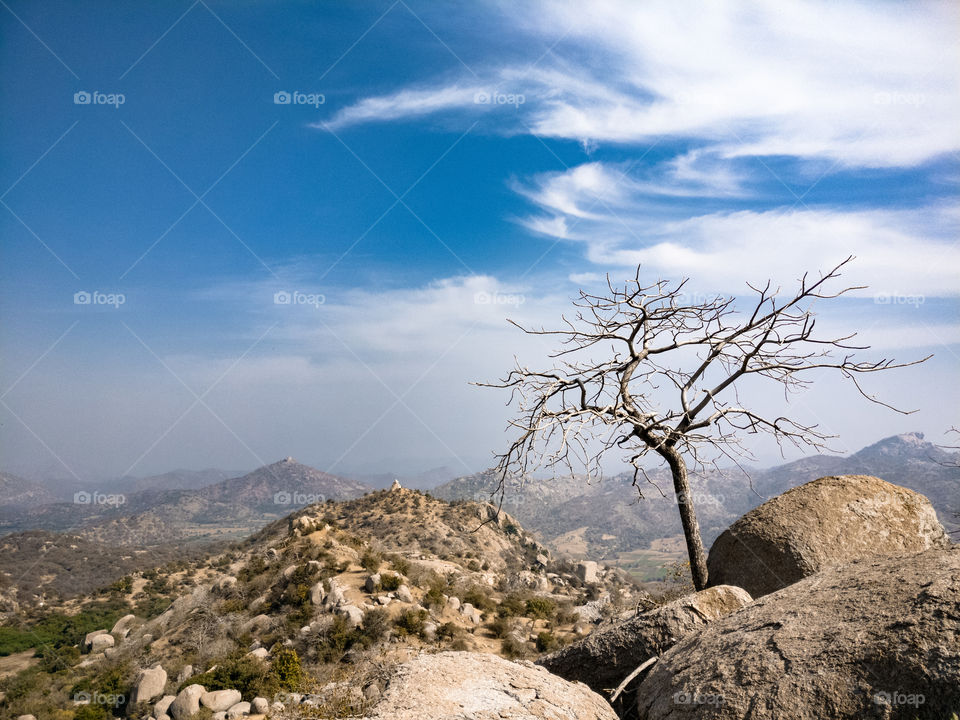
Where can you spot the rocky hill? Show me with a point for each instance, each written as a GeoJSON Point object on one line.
{"type": "Point", "coordinates": [17, 492]}
{"type": "Point", "coordinates": [336, 593]}
{"type": "Point", "coordinates": [607, 520]}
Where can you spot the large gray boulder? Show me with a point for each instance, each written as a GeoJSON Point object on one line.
{"type": "Point", "coordinates": [123, 626]}
{"type": "Point", "coordinates": [875, 638]}
{"type": "Point", "coordinates": [607, 656]}
{"type": "Point", "coordinates": [458, 685]}
{"type": "Point", "coordinates": [822, 523]}
{"type": "Point", "coordinates": [187, 702]}
{"type": "Point", "coordinates": [148, 685]}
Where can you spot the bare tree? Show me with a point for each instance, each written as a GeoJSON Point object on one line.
{"type": "Point", "coordinates": [656, 342]}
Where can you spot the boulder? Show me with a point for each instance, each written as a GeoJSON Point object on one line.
{"type": "Point", "coordinates": [26, 717]}
{"type": "Point", "coordinates": [185, 673]}
{"type": "Point", "coordinates": [352, 613]}
{"type": "Point", "coordinates": [260, 705]}
{"type": "Point", "coordinates": [187, 702]}
{"type": "Point", "coordinates": [162, 705]}
{"type": "Point", "coordinates": [335, 598]}
{"type": "Point", "coordinates": [453, 603]}
{"type": "Point", "coordinates": [456, 685]}
{"type": "Point", "coordinates": [875, 638]}
{"type": "Point", "coordinates": [88, 638]}
{"type": "Point", "coordinates": [822, 523]}
{"type": "Point", "coordinates": [587, 571]}
{"type": "Point", "coordinates": [218, 700]}
{"type": "Point", "coordinates": [317, 594]}
{"type": "Point", "coordinates": [404, 594]}
{"type": "Point", "coordinates": [395, 485]}
{"type": "Point", "coordinates": [148, 685]}
{"type": "Point", "coordinates": [238, 710]}
{"type": "Point", "coordinates": [372, 583]}
{"type": "Point", "coordinates": [257, 625]}
{"type": "Point", "coordinates": [123, 626]}
{"type": "Point", "coordinates": [605, 658]}
{"type": "Point", "coordinates": [99, 643]}
{"type": "Point", "coordinates": [260, 653]}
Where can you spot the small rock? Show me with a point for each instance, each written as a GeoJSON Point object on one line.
{"type": "Point", "coordinates": [453, 602]}
{"type": "Point", "coordinates": [99, 643]}
{"type": "Point", "coordinates": [353, 614]}
{"type": "Point", "coordinates": [317, 594]}
{"type": "Point", "coordinates": [260, 705]}
{"type": "Point", "coordinates": [185, 672]}
{"type": "Point", "coordinates": [404, 594]}
{"type": "Point", "coordinates": [148, 684]}
{"type": "Point", "coordinates": [587, 571]}
{"type": "Point", "coordinates": [88, 638]}
{"type": "Point", "coordinates": [260, 653]}
{"type": "Point", "coordinates": [163, 705]}
{"type": "Point", "coordinates": [395, 485]}
{"type": "Point", "coordinates": [238, 710]}
{"type": "Point", "coordinates": [220, 699]}
{"type": "Point", "coordinates": [372, 583]}
{"type": "Point", "coordinates": [187, 702]}
{"type": "Point", "coordinates": [123, 626]}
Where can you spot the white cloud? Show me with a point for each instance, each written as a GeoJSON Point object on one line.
{"type": "Point", "coordinates": [898, 251]}
{"type": "Point", "coordinates": [860, 83]}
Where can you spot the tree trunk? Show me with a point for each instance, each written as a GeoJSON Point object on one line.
{"type": "Point", "coordinates": [688, 517]}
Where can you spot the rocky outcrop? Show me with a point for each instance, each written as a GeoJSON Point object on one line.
{"type": "Point", "coordinates": [123, 626]}
{"type": "Point", "coordinates": [148, 685]}
{"type": "Point", "coordinates": [819, 524]}
{"type": "Point", "coordinates": [606, 657]}
{"type": "Point", "coordinates": [457, 685]}
{"type": "Point", "coordinates": [99, 643]}
{"type": "Point", "coordinates": [876, 638]}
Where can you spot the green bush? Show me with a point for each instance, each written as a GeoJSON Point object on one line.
{"type": "Point", "coordinates": [479, 598]}
{"type": "Point", "coordinates": [390, 581]}
{"type": "Point", "coordinates": [246, 674]}
{"type": "Point", "coordinates": [410, 622]}
{"type": "Point", "coordinates": [336, 640]}
{"type": "Point", "coordinates": [500, 627]}
{"type": "Point", "coordinates": [513, 648]}
{"type": "Point", "coordinates": [513, 605]}
{"type": "Point", "coordinates": [547, 641]}
{"type": "Point", "coordinates": [541, 608]}
{"type": "Point", "coordinates": [371, 561]}
{"type": "Point", "coordinates": [287, 669]}
{"type": "Point", "coordinates": [400, 564]}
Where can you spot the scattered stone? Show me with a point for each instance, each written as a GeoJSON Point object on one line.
{"type": "Point", "coordinates": [123, 626]}
{"type": "Point", "coordinates": [163, 705]}
{"type": "Point", "coordinates": [148, 685]}
{"type": "Point", "coordinates": [372, 583]}
{"type": "Point", "coordinates": [187, 702]}
{"type": "Point", "coordinates": [875, 638]}
{"type": "Point", "coordinates": [220, 699]}
{"type": "Point", "coordinates": [603, 659]}
{"type": "Point", "coordinates": [260, 653]}
{"type": "Point", "coordinates": [257, 625]}
{"type": "Point", "coordinates": [429, 631]}
{"type": "Point", "coordinates": [260, 705]}
{"type": "Point", "coordinates": [822, 523]}
{"type": "Point", "coordinates": [289, 571]}
{"type": "Point", "coordinates": [404, 594]}
{"type": "Point", "coordinates": [587, 571]}
{"type": "Point", "coordinates": [88, 638]}
{"type": "Point", "coordinates": [238, 710]}
{"type": "Point", "coordinates": [453, 602]}
{"type": "Point", "coordinates": [99, 643]}
{"type": "Point", "coordinates": [352, 613]}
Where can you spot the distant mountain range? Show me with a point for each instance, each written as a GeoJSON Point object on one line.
{"type": "Point", "coordinates": [224, 509]}
{"type": "Point", "coordinates": [607, 519]}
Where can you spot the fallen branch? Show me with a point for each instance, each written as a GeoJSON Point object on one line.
{"type": "Point", "coordinates": [631, 677]}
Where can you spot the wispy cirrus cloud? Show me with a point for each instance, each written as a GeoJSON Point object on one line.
{"type": "Point", "coordinates": [858, 83]}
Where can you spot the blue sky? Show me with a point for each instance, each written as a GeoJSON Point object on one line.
{"type": "Point", "coordinates": [446, 166]}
